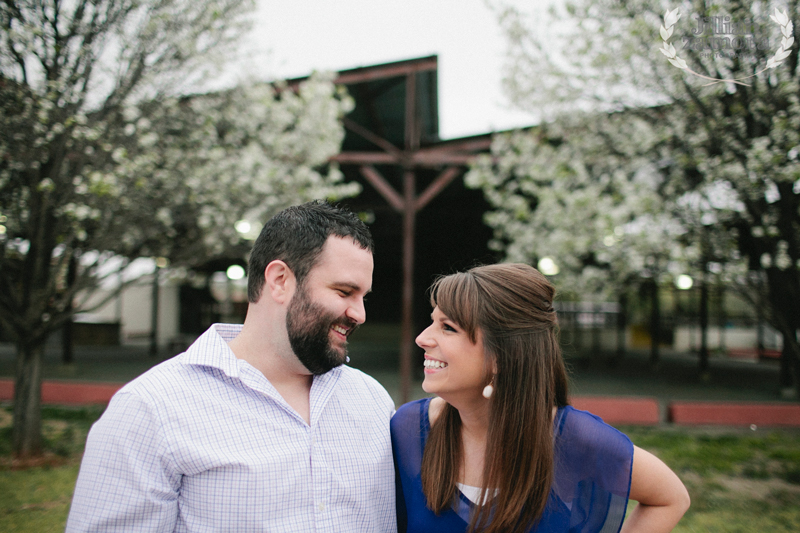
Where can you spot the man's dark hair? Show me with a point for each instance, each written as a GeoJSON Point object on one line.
{"type": "Point", "coordinates": [296, 236]}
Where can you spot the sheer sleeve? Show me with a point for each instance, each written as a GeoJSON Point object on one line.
{"type": "Point", "coordinates": [593, 463]}
{"type": "Point", "coordinates": [407, 445]}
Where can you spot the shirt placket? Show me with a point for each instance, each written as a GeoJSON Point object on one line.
{"type": "Point", "coordinates": [322, 478]}
{"type": "Point", "coordinates": [321, 483]}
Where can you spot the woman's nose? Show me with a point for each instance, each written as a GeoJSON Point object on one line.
{"type": "Point", "coordinates": [423, 339]}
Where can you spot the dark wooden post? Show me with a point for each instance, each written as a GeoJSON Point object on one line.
{"type": "Point", "coordinates": [450, 157]}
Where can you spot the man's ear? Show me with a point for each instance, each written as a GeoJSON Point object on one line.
{"type": "Point", "coordinates": [279, 280]}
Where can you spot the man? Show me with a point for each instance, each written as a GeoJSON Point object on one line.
{"type": "Point", "coordinates": [256, 427]}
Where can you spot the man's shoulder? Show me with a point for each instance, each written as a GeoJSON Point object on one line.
{"type": "Point", "coordinates": [361, 383]}
{"type": "Point", "coordinates": [360, 378]}
{"type": "Point", "coordinates": [177, 372]}
{"type": "Point", "coordinates": [165, 376]}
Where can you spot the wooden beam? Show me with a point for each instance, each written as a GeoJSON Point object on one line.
{"type": "Point", "coordinates": [386, 71]}
{"type": "Point", "coordinates": [407, 326]}
{"type": "Point", "coordinates": [412, 133]}
{"type": "Point", "coordinates": [374, 138]}
{"type": "Point", "coordinates": [383, 187]}
{"type": "Point", "coordinates": [470, 144]}
{"type": "Point", "coordinates": [417, 159]}
{"type": "Point", "coordinates": [441, 181]}
{"type": "Point", "coordinates": [366, 158]}
{"type": "Point", "coordinates": [422, 159]}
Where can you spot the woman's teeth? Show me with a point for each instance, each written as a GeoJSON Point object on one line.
{"type": "Point", "coordinates": [430, 363]}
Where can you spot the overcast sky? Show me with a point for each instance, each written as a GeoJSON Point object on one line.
{"type": "Point", "coordinates": [291, 38]}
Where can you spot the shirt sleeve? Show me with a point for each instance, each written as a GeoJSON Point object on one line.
{"type": "Point", "coordinates": [127, 480]}
{"type": "Point", "coordinates": [593, 463]}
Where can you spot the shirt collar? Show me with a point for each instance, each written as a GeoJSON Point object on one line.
{"type": "Point", "coordinates": [211, 349]}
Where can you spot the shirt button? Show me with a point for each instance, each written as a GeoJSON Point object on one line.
{"type": "Point", "coordinates": [321, 507]}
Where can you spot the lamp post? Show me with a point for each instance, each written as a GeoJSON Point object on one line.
{"type": "Point", "coordinates": [160, 262]}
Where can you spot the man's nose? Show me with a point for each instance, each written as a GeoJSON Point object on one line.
{"type": "Point", "coordinates": [356, 312]}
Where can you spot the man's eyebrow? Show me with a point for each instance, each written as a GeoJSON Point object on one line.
{"type": "Point", "coordinates": [352, 286]}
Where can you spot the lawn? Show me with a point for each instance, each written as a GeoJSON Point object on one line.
{"type": "Point", "coordinates": [740, 480]}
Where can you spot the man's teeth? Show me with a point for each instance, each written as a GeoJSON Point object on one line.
{"type": "Point", "coordinates": [340, 329]}
{"type": "Point", "coordinates": [430, 363]}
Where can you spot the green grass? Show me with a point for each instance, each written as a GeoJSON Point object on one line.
{"type": "Point", "coordinates": [739, 481]}
{"type": "Point", "coordinates": [36, 499]}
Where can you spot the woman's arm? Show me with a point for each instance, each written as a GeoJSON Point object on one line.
{"type": "Point", "coordinates": [661, 495]}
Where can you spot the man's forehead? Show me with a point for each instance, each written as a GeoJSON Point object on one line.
{"type": "Point", "coordinates": [344, 255]}
{"type": "Point", "coordinates": [336, 245]}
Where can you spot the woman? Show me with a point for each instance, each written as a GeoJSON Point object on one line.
{"type": "Point", "coordinates": [499, 449]}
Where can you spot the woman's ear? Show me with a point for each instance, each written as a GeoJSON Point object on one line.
{"type": "Point", "coordinates": [279, 280]}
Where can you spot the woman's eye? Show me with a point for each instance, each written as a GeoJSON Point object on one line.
{"type": "Point", "coordinates": [448, 327]}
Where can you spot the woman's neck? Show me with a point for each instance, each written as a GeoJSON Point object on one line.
{"type": "Point", "coordinates": [474, 436]}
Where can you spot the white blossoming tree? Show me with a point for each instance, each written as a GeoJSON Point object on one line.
{"type": "Point", "coordinates": [102, 159]}
{"type": "Point", "coordinates": [724, 100]}
{"type": "Point", "coordinates": [573, 191]}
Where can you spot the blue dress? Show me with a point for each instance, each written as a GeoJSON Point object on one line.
{"type": "Point", "coordinates": [592, 478]}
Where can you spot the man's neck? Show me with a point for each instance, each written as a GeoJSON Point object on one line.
{"type": "Point", "coordinates": [278, 364]}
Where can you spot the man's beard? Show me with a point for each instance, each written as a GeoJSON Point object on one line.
{"type": "Point", "coordinates": [308, 326]}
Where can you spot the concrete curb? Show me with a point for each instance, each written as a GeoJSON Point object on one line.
{"type": "Point", "coordinates": [614, 410]}
{"type": "Point", "coordinates": [744, 414]}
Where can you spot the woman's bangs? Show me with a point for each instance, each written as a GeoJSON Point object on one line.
{"type": "Point", "coordinates": [456, 296]}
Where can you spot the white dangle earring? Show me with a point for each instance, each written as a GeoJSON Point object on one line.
{"type": "Point", "coordinates": [488, 390]}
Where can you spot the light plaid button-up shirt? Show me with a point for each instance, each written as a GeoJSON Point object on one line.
{"type": "Point", "coordinates": [203, 442]}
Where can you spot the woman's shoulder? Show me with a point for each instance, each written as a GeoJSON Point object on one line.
{"type": "Point", "coordinates": [410, 411]}
{"type": "Point", "coordinates": [584, 431]}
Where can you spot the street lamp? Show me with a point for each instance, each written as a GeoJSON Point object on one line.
{"type": "Point", "coordinates": [235, 272]}
{"type": "Point", "coordinates": [246, 229]}
{"type": "Point", "coordinates": [548, 267]}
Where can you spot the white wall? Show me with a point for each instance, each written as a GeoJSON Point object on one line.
{"type": "Point", "coordinates": [688, 338]}
{"type": "Point", "coordinates": [133, 309]}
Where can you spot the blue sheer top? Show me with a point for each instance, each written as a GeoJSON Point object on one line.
{"type": "Point", "coordinates": [592, 478]}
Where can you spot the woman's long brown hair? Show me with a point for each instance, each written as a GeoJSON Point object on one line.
{"type": "Point", "coordinates": [512, 305]}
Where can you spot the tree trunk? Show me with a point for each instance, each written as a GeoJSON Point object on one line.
{"type": "Point", "coordinates": [703, 325]}
{"type": "Point", "coordinates": [67, 351]}
{"type": "Point", "coordinates": [27, 431]}
{"type": "Point", "coordinates": [721, 318]}
{"type": "Point", "coordinates": [154, 312]}
{"type": "Point", "coordinates": [784, 292]}
{"type": "Point", "coordinates": [622, 326]}
{"type": "Point", "coordinates": [655, 324]}
{"type": "Point", "coordinates": [786, 377]}
{"type": "Point", "coordinates": [790, 365]}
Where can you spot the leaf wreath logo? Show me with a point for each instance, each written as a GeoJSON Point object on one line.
{"type": "Point", "coordinates": [780, 17]}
